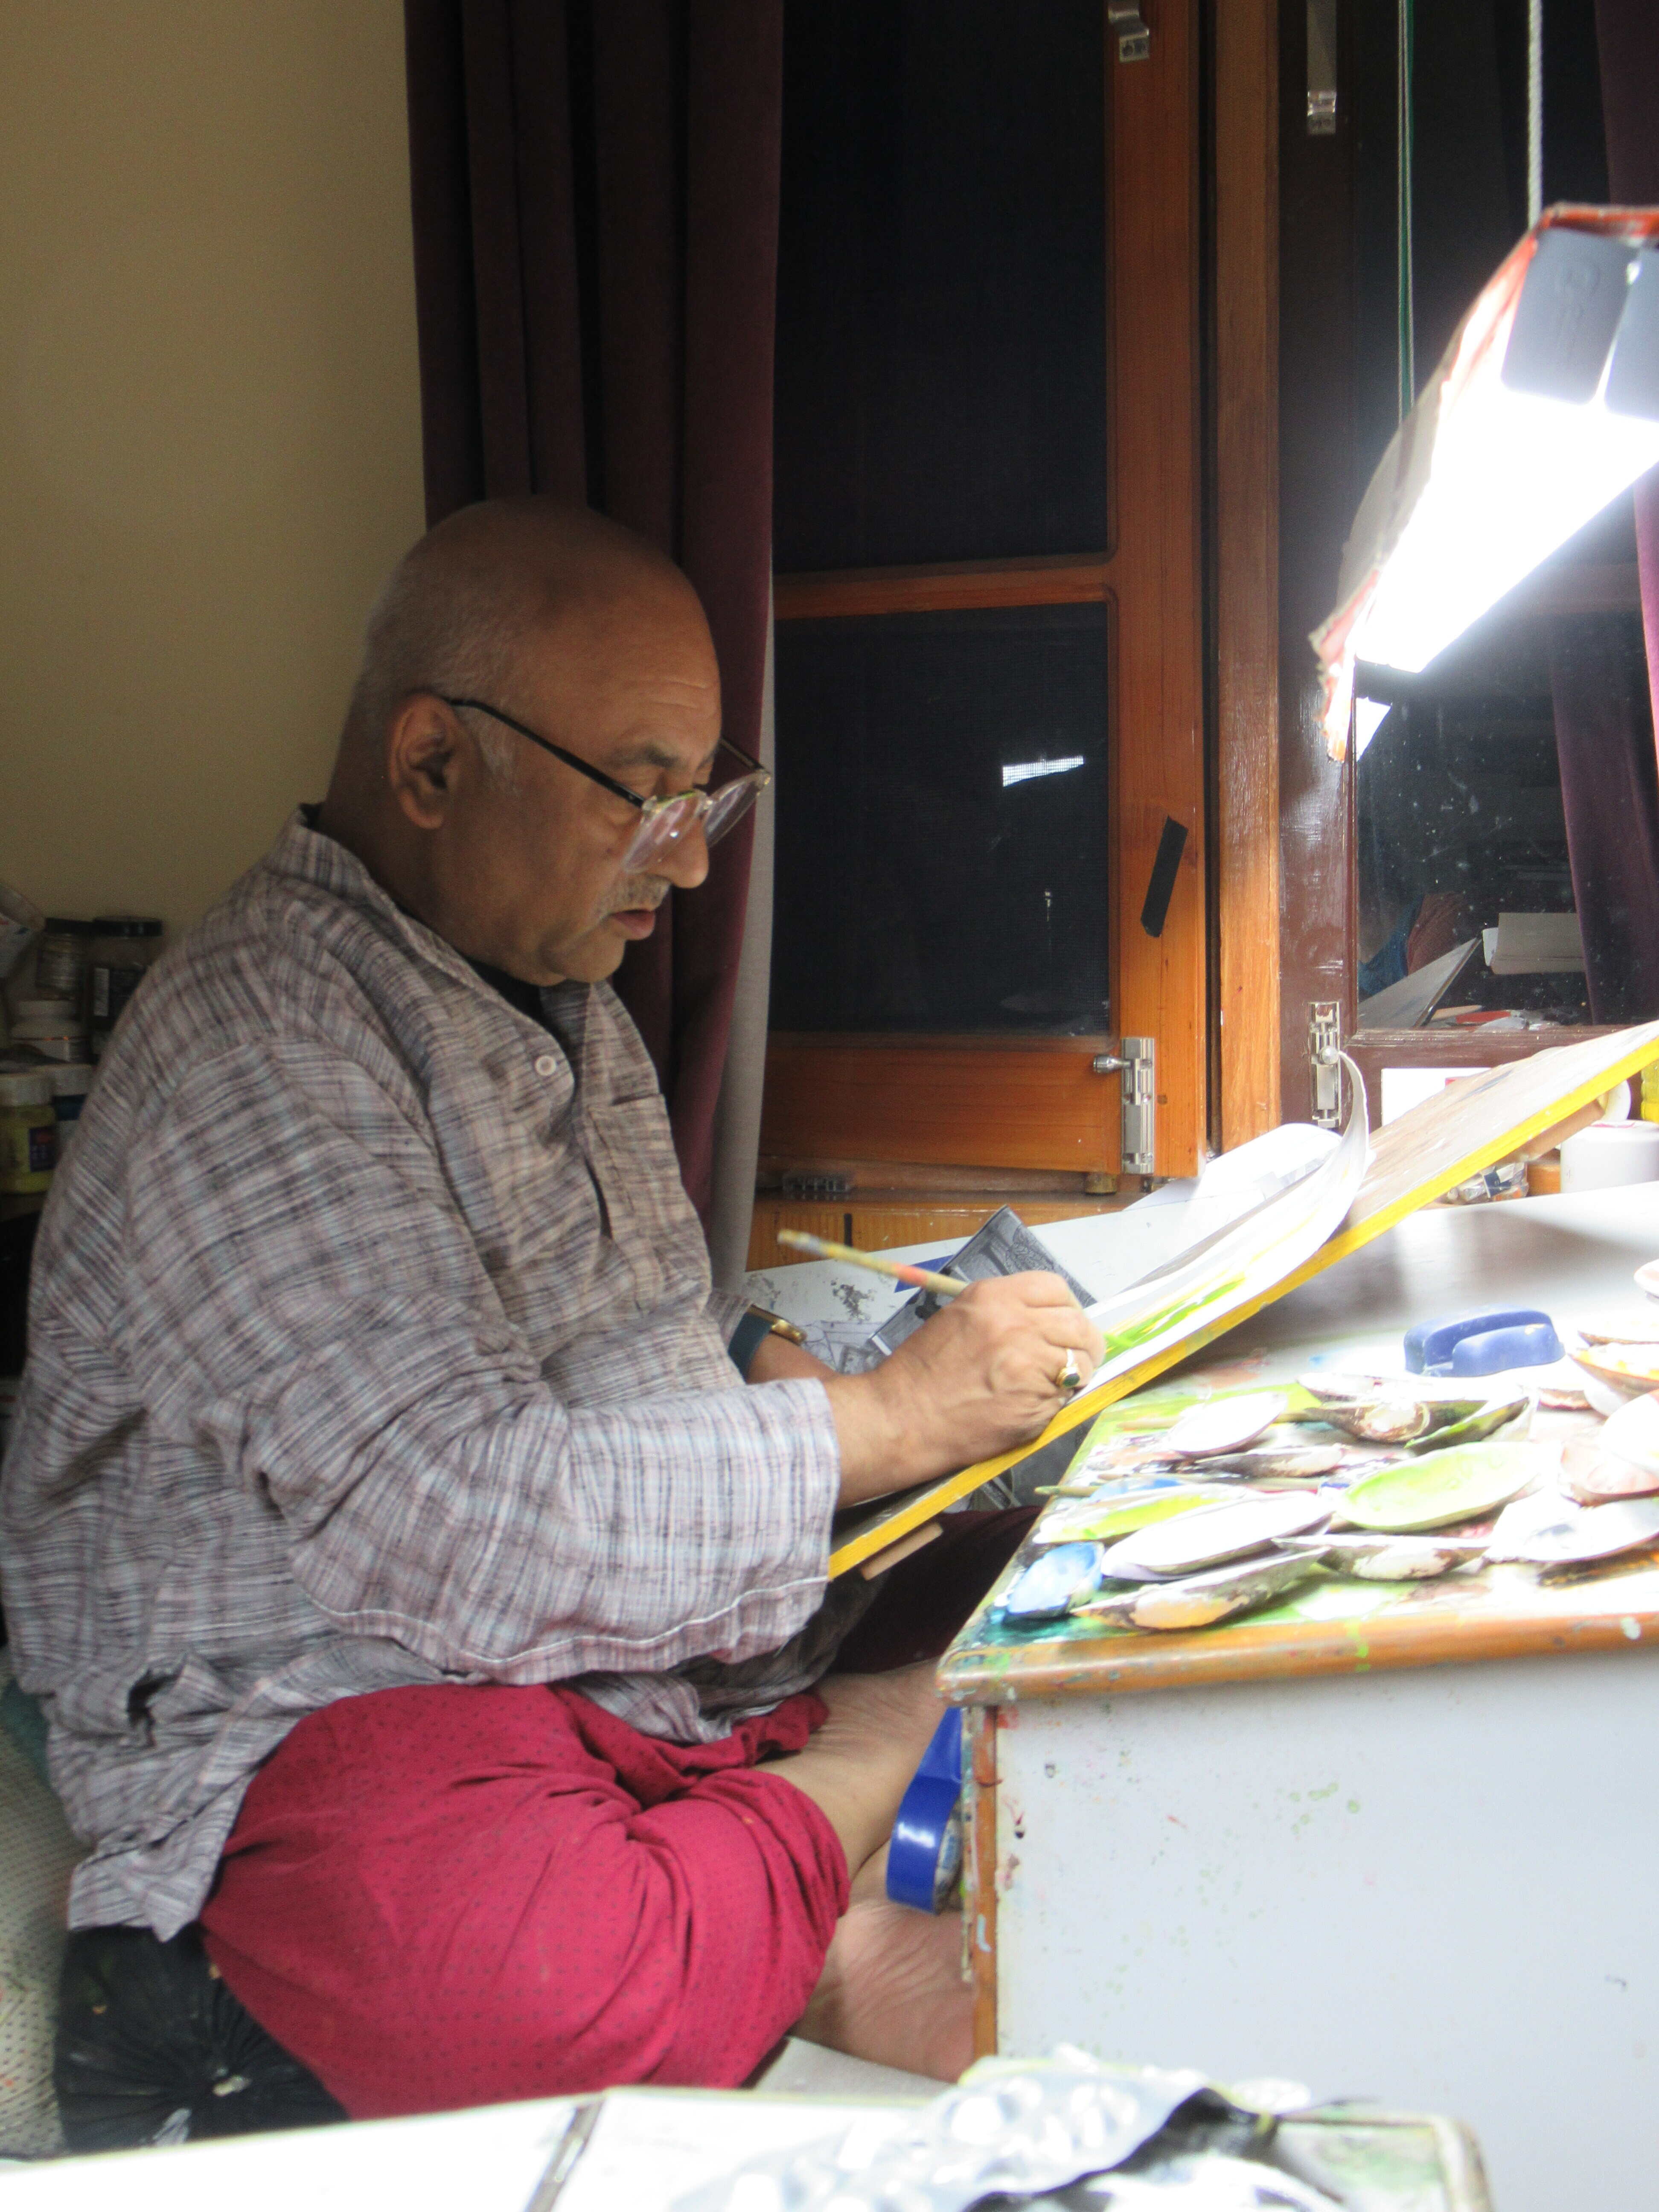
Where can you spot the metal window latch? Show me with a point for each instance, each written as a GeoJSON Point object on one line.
{"type": "Point", "coordinates": [1137, 1063]}
{"type": "Point", "coordinates": [1322, 69]}
{"type": "Point", "coordinates": [802, 1183]}
{"type": "Point", "coordinates": [1134, 40]}
{"type": "Point", "coordinates": [1325, 1064]}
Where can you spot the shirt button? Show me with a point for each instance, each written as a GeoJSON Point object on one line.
{"type": "Point", "coordinates": [546, 1064]}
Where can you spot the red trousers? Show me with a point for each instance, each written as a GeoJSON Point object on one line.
{"type": "Point", "coordinates": [437, 1898]}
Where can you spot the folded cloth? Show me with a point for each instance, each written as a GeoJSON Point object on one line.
{"type": "Point", "coordinates": [464, 1895]}
{"type": "Point", "coordinates": [469, 1893]}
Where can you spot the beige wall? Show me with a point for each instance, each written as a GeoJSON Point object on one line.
{"type": "Point", "coordinates": [209, 436]}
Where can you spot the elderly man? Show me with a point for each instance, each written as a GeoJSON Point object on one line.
{"type": "Point", "coordinates": [424, 1608]}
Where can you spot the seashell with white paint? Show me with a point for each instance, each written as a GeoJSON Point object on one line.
{"type": "Point", "coordinates": [1224, 1424]}
{"type": "Point", "coordinates": [1212, 1535]}
{"type": "Point", "coordinates": [1633, 1432]}
{"type": "Point", "coordinates": [1337, 1388]}
{"type": "Point", "coordinates": [1593, 1475]}
{"type": "Point", "coordinates": [1578, 1534]}
{"type": "Point", "coordinates": [1621, 1460]}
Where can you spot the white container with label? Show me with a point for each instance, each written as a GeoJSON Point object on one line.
{"type": "Point", "coordinates": [29, 1134]}
{"type": "Point", "coordinates": [50, 1027]}
{"type": "Point", "coordinates": [70, 1086]}
{"type": "Point", "coordinates": [1610, 1154]}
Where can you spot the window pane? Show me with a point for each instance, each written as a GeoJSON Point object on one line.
{"type": "Point", "coordinates": [941, 340]}
{"type": "Point", "coordinates": [941, 823]}
{"type": "Point", "coordinates": [1516, 777]}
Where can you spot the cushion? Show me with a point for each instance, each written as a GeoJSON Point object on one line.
{"type": "Point", "coordinates": [37, 1855]}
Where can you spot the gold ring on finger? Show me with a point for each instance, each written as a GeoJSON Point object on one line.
{"type": "Point", "coordinates": [1069, 1378]}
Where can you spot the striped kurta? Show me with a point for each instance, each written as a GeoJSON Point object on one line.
{"type": "Point", "coordinates": [372, 1343]}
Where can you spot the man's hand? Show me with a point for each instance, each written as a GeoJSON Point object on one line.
{"type": "Point", "coordinates": [982, 1377]}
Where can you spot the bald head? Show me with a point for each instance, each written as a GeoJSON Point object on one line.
{"type": "Point", "coordinates": [585, 634]}
{"type": "Point", "coordinates": [490, 587]}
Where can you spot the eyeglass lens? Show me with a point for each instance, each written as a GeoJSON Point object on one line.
{"type": "Point", "coordinates": [662, 831]}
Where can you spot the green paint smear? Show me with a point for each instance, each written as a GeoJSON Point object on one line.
{"type": "Point", "coordinates": [1163, 1318]}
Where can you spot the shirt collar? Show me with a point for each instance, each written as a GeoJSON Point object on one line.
{"type": "Point", "coordinates": [309, 854]}
{"type": "Point", "coordinates": [306, 855]}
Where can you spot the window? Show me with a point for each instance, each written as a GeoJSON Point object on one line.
{"type": "Point", "coordinates": [971, 588]}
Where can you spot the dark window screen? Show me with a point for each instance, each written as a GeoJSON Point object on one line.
{"type": "Point", "coordinates": [941, 345]}
{"type": "Point", "coordinates": [939, 867]}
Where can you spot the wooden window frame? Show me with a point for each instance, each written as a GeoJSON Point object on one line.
{"type": "Point", "coordinates": [1320, 492]}
{"type": "Point", "coordinates": [1149, 578]}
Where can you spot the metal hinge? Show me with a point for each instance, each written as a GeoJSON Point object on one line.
{"type": "Point", "coordinates": [1324, 1055]}
{"type": "Point", "coordinates": [1134, 40]}
{"type": "Point", "coordinates": [1137, 1063]}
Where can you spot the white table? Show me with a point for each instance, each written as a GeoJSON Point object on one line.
{"type": "Point", "coordinates": [487, 2161]}
{"type": "Point", "coordinates": [1405, 1853]}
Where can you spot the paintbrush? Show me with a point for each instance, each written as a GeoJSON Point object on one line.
{"type": "Point", "coordinates": [897, 1271]}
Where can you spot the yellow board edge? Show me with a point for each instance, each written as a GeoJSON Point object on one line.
{"type": "Point", "coordinates": [938, 1495]}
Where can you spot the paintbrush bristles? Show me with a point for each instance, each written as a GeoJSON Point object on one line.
{"type": "Point", "coordinates": [897, 1271]}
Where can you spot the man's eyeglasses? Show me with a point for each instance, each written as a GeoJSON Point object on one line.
{"type": "Point", "coordinates": [663, 822]}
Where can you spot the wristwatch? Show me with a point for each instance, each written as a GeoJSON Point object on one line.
{"type": "Point", "coordinates": [755, 1325]}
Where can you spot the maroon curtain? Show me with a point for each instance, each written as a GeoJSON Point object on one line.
{"type": "Point", "coordinates": [1610, 794]}
{"type": "Point", "coordinates": [1605, 687]}
{"type": "Point", "coordinates": [1627, 36]}
{"type": "Point", "coordinates": [595, 188]}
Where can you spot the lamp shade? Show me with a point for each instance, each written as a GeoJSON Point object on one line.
{"type": "Point", "coordinates": [1544, 407]}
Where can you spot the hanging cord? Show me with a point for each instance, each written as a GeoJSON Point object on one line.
{"type": "Point", "coordinates": [1534, 110]}
{"type": "Point", "coordinates": [1407, 319]}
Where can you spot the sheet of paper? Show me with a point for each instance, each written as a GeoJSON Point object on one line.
{"type": "Point", "coordinates": [1537, 945]}
{"type": "Point", "coordinates": [1241, 1260]}
{"type": "Point", "coordinates": [1107, 1252]}
{"type": "Point", "coordinates": [1408, 1004]}
{"type": "Point", "coordinates": [645, 2148]}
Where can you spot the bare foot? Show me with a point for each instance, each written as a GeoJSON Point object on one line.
{"type": "Point", "coordinates": [870, 1880]}
{"type": "Point", "coordinates": [891, 1990]}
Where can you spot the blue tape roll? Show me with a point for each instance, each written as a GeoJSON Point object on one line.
{"type": "Point", "coordinates": [925, 1855]}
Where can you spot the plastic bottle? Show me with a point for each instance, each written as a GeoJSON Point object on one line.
{"type": "Point", "coordinates": [51, 1027]}
{"type": "Point", "coordinates": [29, 1134]}
{"type": "Point", "coordinates": [61, 958]}
{"type": "Point", "coordinates": [70, 1086]}
{"type": "Point", "coordinates": [123, 949]}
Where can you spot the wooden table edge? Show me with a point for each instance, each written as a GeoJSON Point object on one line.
{"type": "Point", "coordinates": [1281, 1651]}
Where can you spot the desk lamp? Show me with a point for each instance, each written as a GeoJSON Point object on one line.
{"type": "Point", "coordinates": [1543, 408]}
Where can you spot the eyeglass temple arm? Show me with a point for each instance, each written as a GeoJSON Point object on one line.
{"type": "Point", "coordinates": [758, 768]}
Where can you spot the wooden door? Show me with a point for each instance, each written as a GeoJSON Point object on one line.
{"type": "Point", "coordinates": [935, 1103]}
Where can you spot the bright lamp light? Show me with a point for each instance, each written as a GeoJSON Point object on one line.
{"type": "Point", "coordinates": [1545, 407]}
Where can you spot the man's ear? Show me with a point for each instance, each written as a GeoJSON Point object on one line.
{"type": "Point", "coordinates": [423, 742]}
